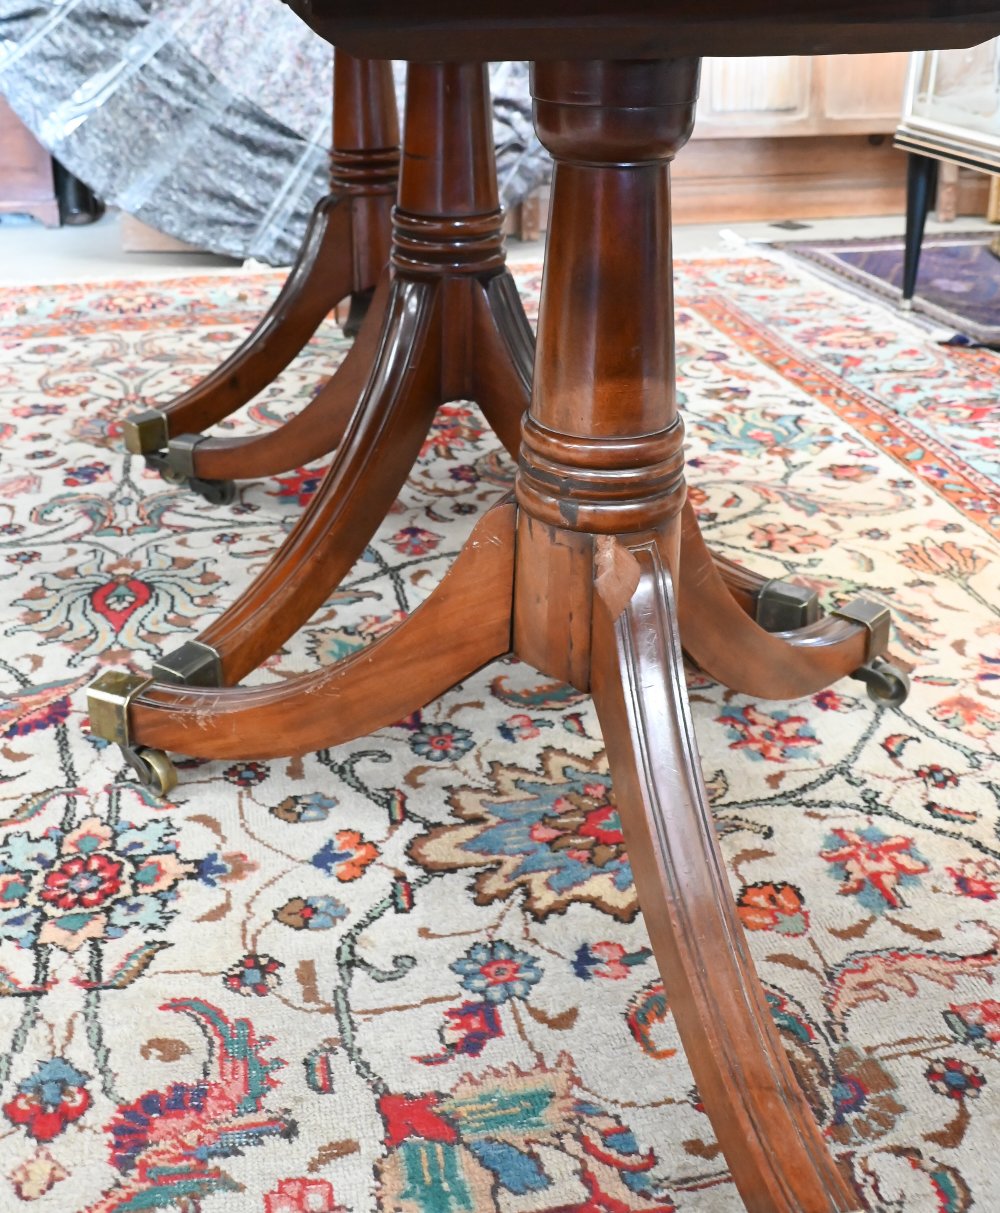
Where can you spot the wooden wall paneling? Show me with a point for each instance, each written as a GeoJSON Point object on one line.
{"type": "Point", "coordinates": [751, 180]}
{"type": "Point", "coordinates": [770, 95]}
{"type": "Point", "coordinates": [790, 178]}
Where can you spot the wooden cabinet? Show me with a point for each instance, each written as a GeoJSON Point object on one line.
{"type": "Point", "coordinates": [779, 137]}
{"type": "Point", "coordinates": [26, 182]}
{"type": "Point", "coordinates": [778, 96]}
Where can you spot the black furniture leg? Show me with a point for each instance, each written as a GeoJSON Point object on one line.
{"type": "Point", "coordinates": [921, 184]}
{"type": "Point", "coordinates": [77, 202]}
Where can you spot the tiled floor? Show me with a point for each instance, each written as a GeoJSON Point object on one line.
{"type": "Point", "coordinates": [30, 253]}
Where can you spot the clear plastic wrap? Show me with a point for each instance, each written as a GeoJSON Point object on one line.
{"type": "Point", "coordinates": [211, 123]}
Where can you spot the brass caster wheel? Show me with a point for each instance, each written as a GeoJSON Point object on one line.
{"type": "Point", "coordinates": [885, 683]}
{"type": "Point", "coordinates": [217, 492]}
{"type": "Point", "coordinates": [153, 767]}
{"type": "Point", "coordinates": [176, 466]}
{"type": "Point", "coordinates": [108, 700]}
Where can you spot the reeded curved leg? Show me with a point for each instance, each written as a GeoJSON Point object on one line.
{"type": "Point", "coordinates": [775, 1151]}
{"type": "Point", "coordinates": [743, 584]}
{"type": "Point", "coordinates": [504, 358]}
{"type": "Point", "coordinates": [465, 623]}
{"type": "Point", "coordinates": [453, 328]}
{"type": "Point", "coordinates": [369, 468]}
{"type": "Point", "coordinates": [345, 249]}
{"type": "Point", "coordinates": [500, 381]}
{"type": "Point", "coordinates": [319, 279]}
{"type": "Point", "coordinates": [776, 604]}
{"type": "Point", "coordinates": [388, 428]}
{"type": "Point", "coordinates": [314, 431]}
{"type": "Point", "coordinates": [726, 643]}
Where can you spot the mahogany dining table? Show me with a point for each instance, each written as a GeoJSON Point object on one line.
{"type": "Point", "coordinates": [595, 571]}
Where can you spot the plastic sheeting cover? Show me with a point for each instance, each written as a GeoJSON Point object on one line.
{"type": "Point", "coordinates": [210, 123]}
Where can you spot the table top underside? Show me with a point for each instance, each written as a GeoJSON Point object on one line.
{"type": "Point", "coordinates": [453, 30]}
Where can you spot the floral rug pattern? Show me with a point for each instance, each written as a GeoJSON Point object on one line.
{"type": "Point", "coordinates": [410, 973]}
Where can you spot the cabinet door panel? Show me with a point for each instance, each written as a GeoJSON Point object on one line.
{"type": "Point", "coordinates": [865, 88]}
{"type": "Point", "coordinates": [773, 84]}
{"type": "Point", "coordinates": [754, 96]}
{"type": "Point", "coordinates": [26, 183]}
{"type": "Point", "coordinates": [782, 95]}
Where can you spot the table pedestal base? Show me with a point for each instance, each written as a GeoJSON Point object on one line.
{"type": "Point", "coordinates": [770, 1140]}
{"type": "Point", "coordinates": [597, 574]}
{"type": "Point", "coordinates": [344, 251]}
{"type": "Point", "coordinates": [445, 323]}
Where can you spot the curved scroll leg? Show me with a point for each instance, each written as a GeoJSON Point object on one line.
{"type": "Point", "coordinates": [370, 466]}
{"type": "Point", "coordinates": [776, 604]}
{"type": "Point", "coordinates": [346, 247]}
{"type": "Point", "coordinates": [312, 433]}
{"type": "Point", "coordinates": [447, 251]}
{"type": "Point", "coordinates": [505, 355]}
{"type": "Point", "coordinates": [364, 692]}
{"type": "Point", "coordinates": [720, 638]}
{"type": "Point", "coordinates": [774, 1149]}
{"type": "Point", "coordinates": [321, 276]}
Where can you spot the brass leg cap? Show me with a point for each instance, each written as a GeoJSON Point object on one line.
{"type": "Point", "coordinates": [108, 698]}
{"type": "Point", "coordinates": [145, 432]}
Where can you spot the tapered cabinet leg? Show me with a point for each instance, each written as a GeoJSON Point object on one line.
{"type": "Point", "coordinates": [921, 182]}
{"type": "Point", "coordinates": [776, 1153]}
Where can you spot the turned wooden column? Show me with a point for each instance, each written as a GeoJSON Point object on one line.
{"type": "Point", "coordinates": [602, 446]}
{"type": "Point", "coordinates": [448, 182]}
{"type": "Point", "coordinates": [600, 486]}
{"type": "Point", "coordinates": [364, 159]}
{"type": "Point", "coordinates": [445, 235]}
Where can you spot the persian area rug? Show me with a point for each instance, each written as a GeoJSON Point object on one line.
{"type": "Point", "coordinates": [408, 974]}
{"type": "Point", "coordinates": [958, 281]}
